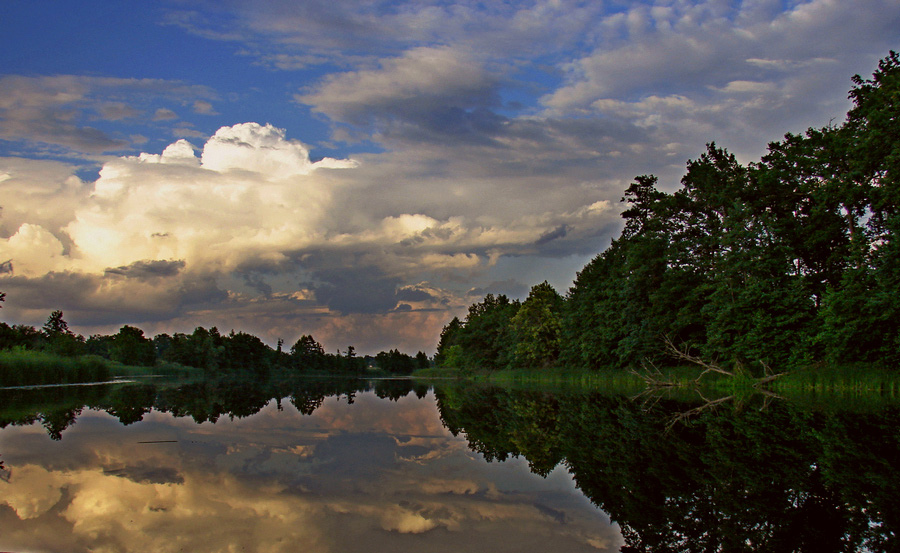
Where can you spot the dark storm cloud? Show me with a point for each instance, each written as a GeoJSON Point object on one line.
{"type": "Point", "coordinates": [152, 268]}
{"type": "Point", "coordinates": [94, 300]}
{"type": "Point", "coordinates": [200, 291]}
{"type": "Point", "coordinates": [53, 289]}
{"type": "Point", "coordinates": [559, 232]}
{"type": "Point", "coordinates": [413, 294]}
{"type": "Point", "coordinates": [447, 125]}
{"type": "Point", "coordinates": [355, 289]}
{"type": "Point", "coordinates": [257, 282]}
{"type": "Point", "coordinates": [340, 455]}
{"type": "Point", "coordinates": [147, 474]}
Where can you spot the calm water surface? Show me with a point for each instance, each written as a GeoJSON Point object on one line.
{"type": "Point", "coordinates": [322, 471]}
{"type": "Point", "coordinates": [324, 466]}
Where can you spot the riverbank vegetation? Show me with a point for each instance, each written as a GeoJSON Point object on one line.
{"type": "Point", "coordinates": [758, 269]}
{"type": "Point", "coordinates": [56, 355]}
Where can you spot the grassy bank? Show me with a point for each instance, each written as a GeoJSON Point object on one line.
{"type": "Point", "coordinates": [812, 382]}
{"type": "Point", "coordinates": [844, 380]}
{"type": "Point", "coordinates": [546, 378]}
{"type": "Point", "coordinates": [160, 369]}
{"type": "Point", "coordinates": [29, 368]}
{"type": "Point", "coordinates": [35, 368]}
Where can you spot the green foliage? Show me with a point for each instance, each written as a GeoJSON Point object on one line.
{"type": "Point", "coordinates": [780, 263]}
{"type": "Point", "coordinates": [207, 350]}
{"type": "Point", "coordinates": [21, 336]}
{"type": "Point", "coordinates": [20, 367]}
{"type": "Point", "coordinates": [308, 355]}
{"type": "Point", "coordinates": [862, 314]}
{"type": "Point", "coordinates": [453, 357]}
{"type": "Point", "coordinates": [244, 351]}
{"type": "Point", "coordinates": [536, 328]}
{"type": "Point", "coordinates": [449, 335]}
{"type": "Point", "coordinates": [61, 340]}
{"type": "Point", "coordinates": [130, 347]}
{"type": "Point", "coordinates": [395, 362]}
{"type": "Point", "coordinates": [484, 341]}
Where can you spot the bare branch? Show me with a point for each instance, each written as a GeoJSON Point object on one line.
{"type": "Point", "coordinates": [683, 355]}
{"type": "Point", "coordinates": [685, 415]}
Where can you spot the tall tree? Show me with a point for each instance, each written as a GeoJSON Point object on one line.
{"type": "Point", "coordinates": [59, 338]}
{"type": "Point", "coordinates": [56, 324]}
{"type": "Point", "coordinates": [537, 327]}
{"type": "Point", "coordinates": [449, 336]}
{"type": "Point", "coordinates": [862, 316]}
{"type": "Point", "coordinates": [485, 340]}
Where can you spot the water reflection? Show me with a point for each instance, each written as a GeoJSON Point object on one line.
{"type": "Point", "coordinates": [223, 466]}
{"type": "Point", "coordinates": [368, 466]}
{"type": "Point", "coordinates": [769, 477]}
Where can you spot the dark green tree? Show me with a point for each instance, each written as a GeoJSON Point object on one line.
{"type": "Point", "coordinates": [861, 316]}
{"type": "Point", "coordinates": [395, 362]}
{"type": "Point", "coordinates": [56, 324]}
{"type": "Point", "coordinates": [246, 352]}
{"type": "Point", "coordinates": [308, 354]}
{"type": "Point", "coordinates": [61, 340]}
{"type": "Point", "coordinates": [130, 347]}
{"type": "Point", "coordinates": [537, 328]}
{"type": "Point", "coordinates": [449, 335]}
{"type": "Point", "coordinates": [485, 342]}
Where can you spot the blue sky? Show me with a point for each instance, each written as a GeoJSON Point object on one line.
{"type": "Point", "coordinates": [365, 171]}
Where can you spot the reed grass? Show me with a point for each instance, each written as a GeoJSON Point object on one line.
{"type": "Point", "coordinates": [30, 368]}
{"type": "Point", "coordinates": [818, 385]}
{"type": "Point", "coordinates": [842, 380]}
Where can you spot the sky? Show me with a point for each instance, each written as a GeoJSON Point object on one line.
{"type": "Point", "coordinates": [364, 171]}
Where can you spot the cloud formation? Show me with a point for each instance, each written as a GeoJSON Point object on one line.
{"type": "Point", "coordinates": [57, 111]}
{"type": "Point", "coordinates": [442, 94]}
{"type": "Point", "coordinates": [161, 235]}
{"type": "Point", "coordinates": [456, 147]}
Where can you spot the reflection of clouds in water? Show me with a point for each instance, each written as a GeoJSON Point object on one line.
{"type": "Point", "coordinates": [362, 477]}
{"type": "Point", "coordinates": [101, 512]}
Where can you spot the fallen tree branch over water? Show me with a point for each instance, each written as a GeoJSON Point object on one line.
{"type": "Point", "coordinates": [653, 377]}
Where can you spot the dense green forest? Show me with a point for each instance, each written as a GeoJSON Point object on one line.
{"type": "Point", "coordinates": [55, 354]}
{"type": "Point", "coordinates": [786, 262]}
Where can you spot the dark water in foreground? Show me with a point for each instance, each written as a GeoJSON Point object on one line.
{"type": "Point", "coordinates": [321, 466]}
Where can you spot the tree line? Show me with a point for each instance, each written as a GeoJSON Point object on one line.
{"type": "Point", "coordinates": [784, 262]}
{"type": "Point", "coordinates": [206, 349]}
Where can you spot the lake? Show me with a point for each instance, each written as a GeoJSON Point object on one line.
{"type": "Point", "coordinates": [395, 465]}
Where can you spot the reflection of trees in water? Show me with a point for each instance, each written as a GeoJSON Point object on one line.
{"type": "Point", "coordinates": [732, 479]}
{"type": "Point", "coordinates": [735, 478]}
{"type": "Point", "coordinates": [203, 401]}
{"type": "Point", "coordinates": [395, 389]}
